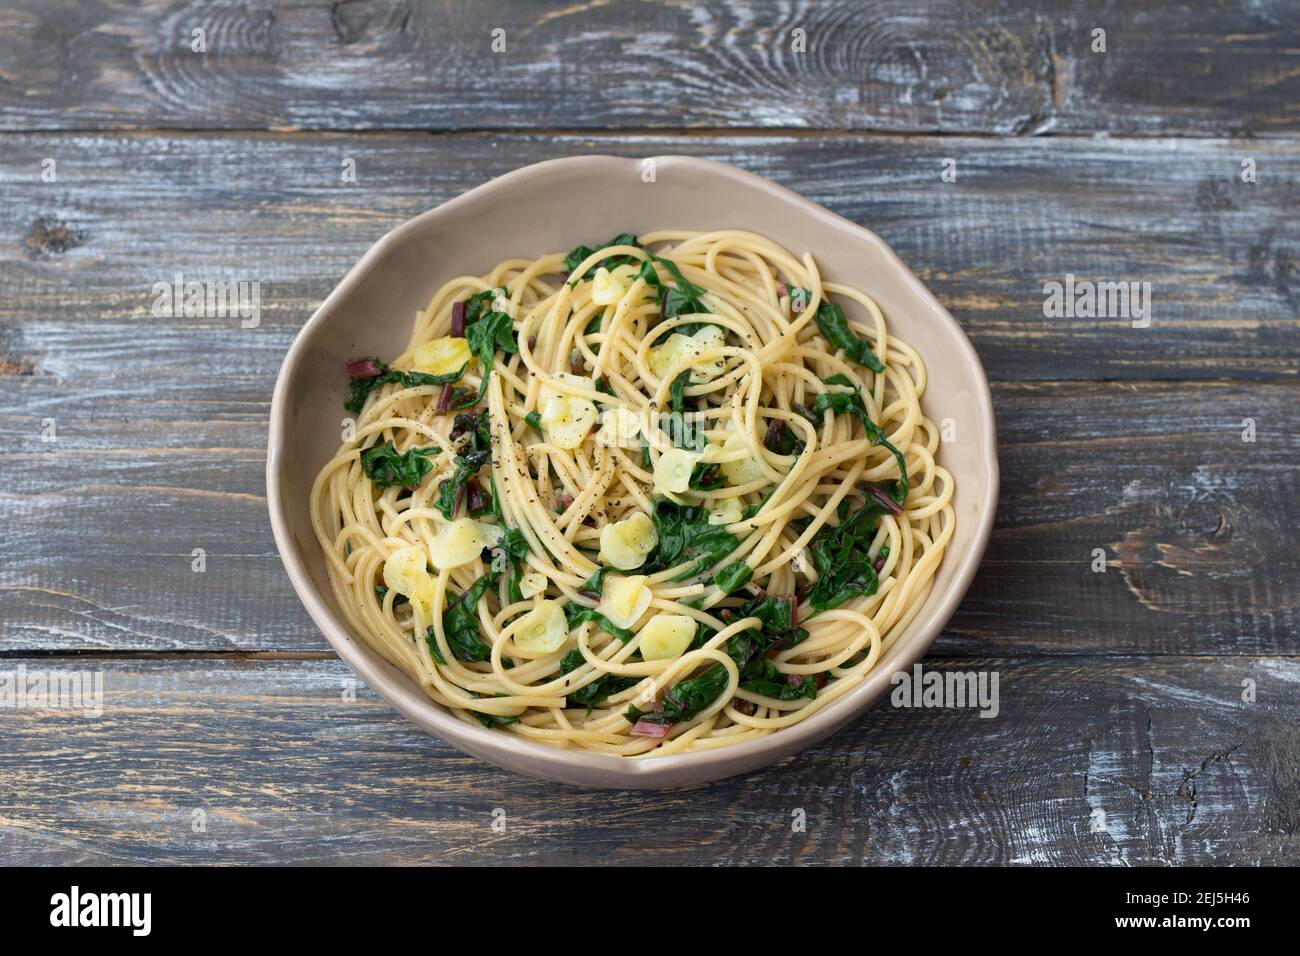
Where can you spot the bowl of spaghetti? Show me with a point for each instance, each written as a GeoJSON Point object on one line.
{"type": "Point", "coordinates": [631, 473]}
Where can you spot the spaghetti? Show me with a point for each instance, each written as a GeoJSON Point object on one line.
{"type": "Point", "coordinates": [652, 497]}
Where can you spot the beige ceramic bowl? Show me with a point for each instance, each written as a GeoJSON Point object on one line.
{"type": "Point", "coordinates": [552, 207]}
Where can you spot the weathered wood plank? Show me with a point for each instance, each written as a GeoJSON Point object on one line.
{"type": "Point", "coordinates": [1196, 525]}
{"type": "Point", "coordinates": [81, 254]}
{"type": "Point", "coordinates": [948, 66]}
{"type": "Point", "coordinates": [1129, 761]}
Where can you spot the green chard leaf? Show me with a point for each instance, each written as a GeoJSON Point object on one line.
{"type": "Point", "coordinates": [670, 527]}
{"type": "Point", "coordinates": [594, 693]}
{"type": "Point", "coordinates": [687, 698]}
{"type": "Point", "coordinates": [851, 403]}
{"type": "Point", "coordinates": [460, 624]}
{"type": "Point", "coordinates": [684, 298]}
{"type": "Point", "coordinates": [782, 440]}
{"type": "Point", "coordinates": [705, 477]}
{"type": "Point", "coordinates": [684, 532]}
{"type": "Point", "coordinates": [834, 326]}
{"type": "Point", "coordinates": [750, 511]}
{"type": "Point", "coordinates": [486, 330]}
{"type": "Point", "coordinates": [478, 427]}
{"type": "Point", "coordinates": [593, 585]}
{"type": "Point", "coordinates": [778, 612]}
{"type": "Point", "coordinates": [514, 546]}
{"type": "Point", "coordinates": [514, 551]}
{"type": "Point", "coordinates": [473, 455]}
{"type": "Point", "coordinates": [581, 253]}
{"type": "Point", "coordinates": [840, 555]}
{"type": "Point", "coordinates": [651, 276]}
{"type": "Point", "coordinates": [677, 391]}
{"type": "Point", "coordinates": [576, 614]}
{"type": "Point", "coordinates": [733, 576]}
{"type": "Point", "coordinates": [450, 489]}
{"type": "Point", "coordinates": [767, 680]}
{"type": "Point", "coordinates": [385, 466]}
{"type": "Point", "coordinates": [492, 720]}
{"type": "Point", "coordinates": [479, 306]}
{"type": "Point", "coordinates": [780, 631]}
{"type": "Point", "coordinates": [359, 389]}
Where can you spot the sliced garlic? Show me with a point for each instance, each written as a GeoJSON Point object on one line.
{"type": "Point", "coordinates": [619, 428]}
{"type": "Point", "coordinates": [709, 337]}
{"type": "Point", "coordinates": [606, 287]}
{"type": "Point", "coordinates": [624, 599]}
{"type": "Point", "coordinates": [442, 356]}
{"type": "Point", "coordinates": [406, 571]}
{"type": "Point", "coordinates": [533, 583]}
{"type": "Point", "coordinates": [460, 542]}
{"type": "Point", "coordinates": [568, 421]}
{"type": "Point", "coordinates": [626, 544]}
{"type": "Point", "coordinates": [578, 381]}
{"type": "Point", "coordinates": [554, 409]}
{"type": "Point", "coordinates": [666, 636]}
{"type": "Point", "coordinates": [542, 630]}
{"type": "Point", "coordinates": [743, 470]}
{"type": "Point", "coordinates": [725, 511]}
{"type": "Point", "coordinates": [676, 349]}
{"type": "Point", "coordinates": [673, 470]}
{"type": "Point", "coordinates": [679, 348]}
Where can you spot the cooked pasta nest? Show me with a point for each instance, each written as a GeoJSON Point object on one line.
{"type": "Point", "coordinates": [666, 494]}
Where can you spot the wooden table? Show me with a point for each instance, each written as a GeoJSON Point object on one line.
{"type": "Point", "coordinates": [1148, 711]}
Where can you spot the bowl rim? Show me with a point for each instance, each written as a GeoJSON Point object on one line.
{"type": "Point", "coordinates": [404, 695]}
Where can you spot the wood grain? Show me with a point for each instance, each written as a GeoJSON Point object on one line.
{"type": "Point", "coordinates": [1118, 762]}
{"type": "Point", "coordinates": [946, 66]}
{"type": "Point", "coordinates": [129, 211]}
{"type": "Point", "coordinates": [1192, 521]}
